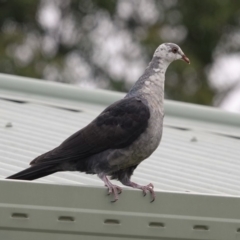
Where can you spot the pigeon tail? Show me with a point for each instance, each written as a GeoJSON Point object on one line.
{"type": "Point", "coordinates": [34, 172]}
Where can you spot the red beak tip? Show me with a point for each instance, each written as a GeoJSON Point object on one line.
{"type": "Point", "coordinates": [186, 59]}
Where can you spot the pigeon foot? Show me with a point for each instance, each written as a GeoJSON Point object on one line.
{"type": "Point", "coordinates": [146, 188]}
{"type": "Point", "coordinates": [112, 189]}
{"type": "Point", "coordinates": [115, 190]}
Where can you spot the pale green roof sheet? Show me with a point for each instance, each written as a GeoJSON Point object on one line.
{"type": "Point", "coordinates": [199, 151]}
{"type": "Point", "coordinates": [195, 171]}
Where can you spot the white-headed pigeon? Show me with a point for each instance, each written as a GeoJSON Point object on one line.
{"type": "Point", "coordinates": [121, 137]}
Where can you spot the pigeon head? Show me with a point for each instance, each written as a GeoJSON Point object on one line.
{"type": "Point", "coordinates": [170, 52]}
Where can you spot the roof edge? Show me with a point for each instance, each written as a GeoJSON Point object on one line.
{"type": "Point", "coordinates": [57, 90]}
{"type": "Point", "coordinates": [106, 97]}
{"type": "Point", "coordinates": [89, 210]}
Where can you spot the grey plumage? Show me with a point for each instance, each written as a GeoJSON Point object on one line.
{"type": "Point", "coordinates": [123, 135]}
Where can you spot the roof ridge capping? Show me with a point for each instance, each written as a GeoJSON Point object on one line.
{"type": "Point", "coordinates": [201, 113]}
{"type": "Point", "coordinates": [57, 90]}
{"type": "Point", "coordinates": [106, 97]}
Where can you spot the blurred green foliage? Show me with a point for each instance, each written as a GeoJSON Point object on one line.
{"type": "Point", "coordinates": [62, 40]}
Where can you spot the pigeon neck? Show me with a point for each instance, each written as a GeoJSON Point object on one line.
{"type": "Point", "coordinates": [152, 80]}
{"type": "Point", "coordinates": [158, 65]}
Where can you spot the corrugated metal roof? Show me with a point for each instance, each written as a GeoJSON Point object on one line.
{"type": "Point", "coordinates": [199, 151]}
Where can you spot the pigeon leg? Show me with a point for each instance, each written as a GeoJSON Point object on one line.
{"type": "Point", "coordinates": [146, 188]}
{"type": "Point", "coordinates": [112, 189]}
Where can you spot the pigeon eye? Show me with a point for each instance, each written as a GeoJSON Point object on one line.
{"type": "Point", "coordinates": [174, 50]}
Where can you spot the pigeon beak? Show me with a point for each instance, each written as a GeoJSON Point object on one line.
{"type": "Point", "coordinates": [185, 58]}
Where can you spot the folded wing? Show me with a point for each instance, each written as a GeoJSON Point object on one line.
{"type": "Point", "coordinates": [116, 127]}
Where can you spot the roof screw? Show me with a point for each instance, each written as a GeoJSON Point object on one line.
{"type": "Point", "coordinates": [8, 125]}
{"type": "Point", "coordinates": [193, 139]}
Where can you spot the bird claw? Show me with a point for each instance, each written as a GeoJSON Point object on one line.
{"type": "Point", "coordinates": [115, 190]}
{"type": "Point", "coordinates": [149, 188]}
{"type": "Point", "coordinates": [112, 189]}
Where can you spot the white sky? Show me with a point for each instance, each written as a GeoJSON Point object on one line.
{"type": "Point", "coordinates": [224, 73]}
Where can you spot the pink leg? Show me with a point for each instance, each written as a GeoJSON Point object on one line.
{"type": "Point", "coordinates": [112, 189]}
{"type": "Point", "coordinates": [146, 188]}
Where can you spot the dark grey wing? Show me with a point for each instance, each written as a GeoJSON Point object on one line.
{"type": "Point", "coordinates": [116, 127]}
